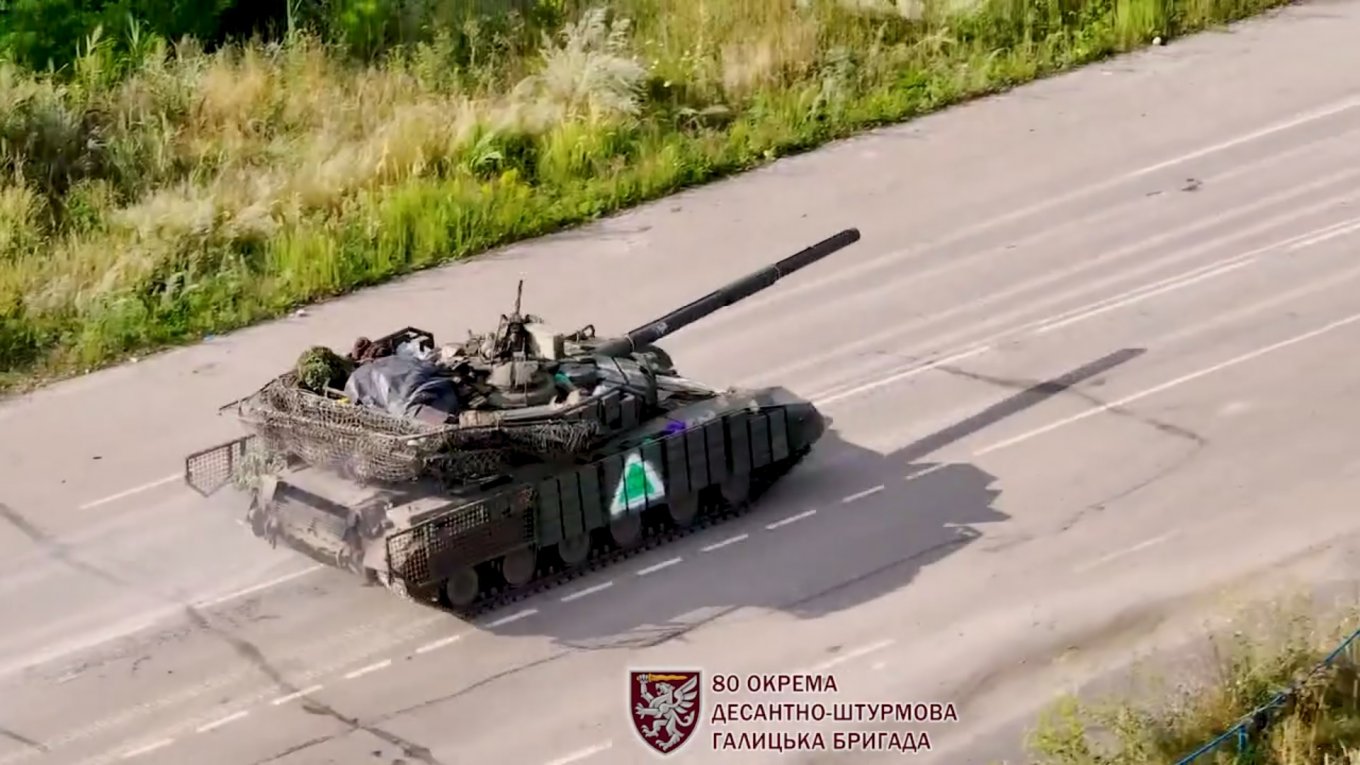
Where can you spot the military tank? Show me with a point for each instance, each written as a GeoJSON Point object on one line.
{"type": "Point", "coordinates": [473, 473]}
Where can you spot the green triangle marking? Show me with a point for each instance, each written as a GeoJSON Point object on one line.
{"type": "Point", "coordinates": [639, 485]}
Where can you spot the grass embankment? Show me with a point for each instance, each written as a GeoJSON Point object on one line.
{"type": "Point", "coordinates": [1320, 727]}
{"type": "Point", "coordinates": [148, 198]}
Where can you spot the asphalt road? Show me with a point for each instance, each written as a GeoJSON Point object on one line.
{"type": "Point", "coordinates": [979, 529]}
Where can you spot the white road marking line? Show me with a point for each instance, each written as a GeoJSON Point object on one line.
{"type": "Point", "coordinates": [374, 667]}
{"type": "Point", "coordinates": [790, 519]}
{"type": "Point", "coordinates": [295, 696]}
{"type": "Point", "coordinates": [224, 721]}
{"type": "Point", "coordinates": [878, 665]}
{"type": "Point", "coordinates": [257, 587]}
{"type": "Point", "coordinates": [1211, 273]}
{"type": "Point", "coordinates": [889, 380]}
{"type": "Point", "coordinates": [1259, 352]}
{"type": "Point", "coordinates": [862, 494]}
{"type": "Point", "coordinates": [1324, 236]}
{"type": "Point", "coordinates": [659, 566]}
{"type": "Point", "coordinates": [725, 542]}
{"type": "Point", "coordinates": [852, 655]}
{"type": "Point", "coordinates": [587, 591]}
{"type": "Point", "coordinates": [926, 472]}
{"type": "Point", "coordinates": [1126, 551]}
{"type": "Point", "coordinates": [440, 643]}
{"type": "Point", "coordinates": [1334, 108]}
{"type": "Point", "coordinates": [1261, 226]}
{"type": "Point", "coordinates": [148, 486]}
{"type": "Point", "coordinates": [581, 754]}
{"type": "Point", "coordinates": [1188, 277]}
{"type": "Point", "coordinates": [504, 620]}
{"type": "Point", "coordinates": [148, 748]}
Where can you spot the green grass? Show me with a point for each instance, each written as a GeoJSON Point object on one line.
{"type": "Point", "coordinates": [1252, 664]}
{"type": "Point", "coordinates": [158, 194]}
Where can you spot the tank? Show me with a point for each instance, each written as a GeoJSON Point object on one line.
{"type": "Point", "coordinates": [474, 473]}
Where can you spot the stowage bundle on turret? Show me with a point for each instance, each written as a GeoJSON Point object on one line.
{"type": "Point", "coordinates": [450, 471]}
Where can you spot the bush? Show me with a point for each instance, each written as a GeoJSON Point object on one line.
{"type": "Point", "coordinates": [1320, 726]}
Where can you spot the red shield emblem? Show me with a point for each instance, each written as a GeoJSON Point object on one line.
{"type": "Point", "coordinates": [665, 707]}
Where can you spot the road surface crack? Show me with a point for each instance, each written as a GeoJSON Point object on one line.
{"type": "Point", "coordinates": [1053, 388]}
{"type": "Point", "coordinates": [21, 739]}
{"type": "Point", "coordinates": [248, 651]}
{"type": "Point", "coordinates": [408, 749]}
{"type": "Point", "coordinates": [1160, 475]}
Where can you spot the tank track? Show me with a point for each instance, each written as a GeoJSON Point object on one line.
{"type": "Point", "coordinates": [657, 533]}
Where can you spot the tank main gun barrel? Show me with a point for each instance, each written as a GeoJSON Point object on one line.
{"type": "Point", "coordinates": [722, 297]}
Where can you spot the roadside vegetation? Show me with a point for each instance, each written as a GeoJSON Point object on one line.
{"type": "Point", "coordinates": [171, 170]}
{"type": "Point", "coordinates": [1266, 654]}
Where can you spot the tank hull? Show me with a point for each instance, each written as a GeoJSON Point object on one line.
{"type": "Point", "coordinates": [475, 548]}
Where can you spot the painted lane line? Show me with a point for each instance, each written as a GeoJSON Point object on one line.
{"type": "Point", "coordinates": [141, 750]}
{"type": "Point", "coordinates": [295, 696]}
{"type": "Point", "coordinates": [504, 620]}
{"type": "Point", "coordinates": [1324, 236]}
{"type": "Point", "coordinates": [790, 519]}
{"type": "Point", "coordinates": [587, 591]}
{"type": "Point", "coordinates": [852, 655]}
{"type": "Point", "coordinates": [1242, 359]}
{"type": "Point", "coordinates": [659, 566]}
{"type": "Point", "coordinates": [374, 667]}
{"type": "Point", "coordinates": [1009, 321]}
{"type": "Point", "coordinates": [1211, 273]}
{"type": "Point", "coordinates": [1117, 554]}
{"type": "Point", "coordinates": [1336, 107]}
{"type": "Point", "coordinates": [148, 486]}
{"type": "Point", "coordinates": [725, 542]}
{"type": "Point", "coordinates": [926, 472]}
{"type": "Point", "coordinates": [1185, 278]}
{"type": "Point", "coordinates": [581, 754]}
{"type": "Point", "coordinates": [899, 376]}
{"type": "Point", "coordinates": [257, 587]}
{"type": "Point", "coordinates": [878, 665]}
{"type": "Point", "coordinates": [862, 494]}
{"type": "Point", "coordinates": [224, 721]}
{"type": "Point", "coordinates": [440, 643]}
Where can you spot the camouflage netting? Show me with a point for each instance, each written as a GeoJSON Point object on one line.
{"type": "Point", "coordinates": [371, 445]}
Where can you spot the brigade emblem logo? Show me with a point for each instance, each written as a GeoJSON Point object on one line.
{"type": "Point", "coordinates": [665, 707]}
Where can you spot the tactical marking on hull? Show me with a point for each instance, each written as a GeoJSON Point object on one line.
{"type": "Point", "coordinates": [640, 485]}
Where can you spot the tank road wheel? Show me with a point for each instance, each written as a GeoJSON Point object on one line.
{"type": "Point", "coordinates": [462, 587]}
{"type": "Point", "coordinates": [574, 550]}
{"type": "Point", "coordinates": [518, 567]}
{"type": "Point", "coordinates": [626, 530]}
{"type": "Point", "coordinates": [736, 489]}
{"type": "Point", "coordinates": [683, 510]}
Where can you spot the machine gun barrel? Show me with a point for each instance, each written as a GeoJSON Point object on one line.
{"type": "Point", "coordinates": [738, 290]}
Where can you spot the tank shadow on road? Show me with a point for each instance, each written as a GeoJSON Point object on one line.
{"type": "Point", "coordinates": [851, 551]}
